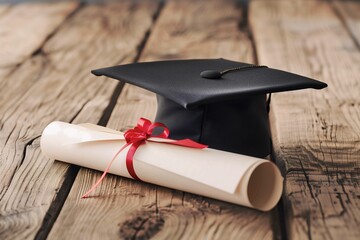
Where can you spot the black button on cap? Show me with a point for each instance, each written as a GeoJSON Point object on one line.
{"type": "Point", "coordinates": [210, 74]}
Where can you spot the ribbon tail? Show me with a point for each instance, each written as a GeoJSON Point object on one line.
{"type": "Point", "coordinates": [187, 143]}
{"type": "Point", "coordinates": [130, 159]}
{"type": "Point", "coordinates": [104, 173]}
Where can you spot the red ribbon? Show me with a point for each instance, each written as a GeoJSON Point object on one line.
{"type": "Point", "coordinates": [135, 138]}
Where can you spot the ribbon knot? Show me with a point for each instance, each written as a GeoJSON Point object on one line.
{"type": "Point", "coordinates": [137, 136]}
{"type": "Point", "coordinates": [144, 130]}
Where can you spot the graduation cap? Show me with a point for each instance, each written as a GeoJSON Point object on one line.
{"type": "Point", "coordinates": [217, 102]}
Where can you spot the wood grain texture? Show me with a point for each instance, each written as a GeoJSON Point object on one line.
{"type": "Point", "coordinates": [126, 209]}
{"type": "Point", "coordinates": [4, 8]}
{"type": "Point", "coordinates": [349, 12]}
{"type": "Point", "coordinates": [59, 87]}
{"type": "Point", "coordinates": [25, 26]}
{"type": "Point", "coordinates": [316, 134]}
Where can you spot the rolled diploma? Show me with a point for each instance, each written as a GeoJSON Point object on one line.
{"type": "Point", "coordinates": [235, 178]}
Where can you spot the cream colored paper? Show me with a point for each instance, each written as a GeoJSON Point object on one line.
{"type": "Point", "coordinates": [235, 178]}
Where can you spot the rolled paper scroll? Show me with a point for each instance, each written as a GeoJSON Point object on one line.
{"type": "Point", "coordinates": [239, 179]}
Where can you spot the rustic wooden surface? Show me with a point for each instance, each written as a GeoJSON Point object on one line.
{"type": "Point", "coordinates": [55, 84]}
{"type": "Point", "coordinates": [316, 134]}
{"type": "Point", "coordinates": [47, 51]}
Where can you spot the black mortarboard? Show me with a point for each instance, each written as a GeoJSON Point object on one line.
{"type": "Point", "coordinates": [216, 102]}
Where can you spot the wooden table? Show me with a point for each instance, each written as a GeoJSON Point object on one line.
{"type": "Point", "coordinates": [47, 51]}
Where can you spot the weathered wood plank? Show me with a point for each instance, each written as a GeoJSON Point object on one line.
{"type": "Point", "coordinates": [16, 48]}
{"type": "Point", "coordinates": [62, 89]}
{"type": "Point", "coordinates": [132, 210]}
{"type": "Point", "coordinates": [350, 13]}
{"type": "Point", "coordinates": [25, 26]}
{"type": "Point", "coordinates": [3, 9]}
{"type": "Point", "coordinates": [315, 133]}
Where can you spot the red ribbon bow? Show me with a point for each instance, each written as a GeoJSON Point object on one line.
{"type": "Point", "coordinates": [138, 136]}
